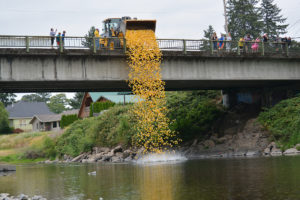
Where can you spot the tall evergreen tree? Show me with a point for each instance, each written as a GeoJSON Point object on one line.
{"type": "Point", "coordinates": [45, 96]}
{"type": "Point", "coordinates": [7, 98]}
{"type": "Point", "coordinates": [272, 19]}
{"type": "Point", "coordinates": [208, 33]}
{"type": "Point", "coordinates": [75, 103]}
{"type": "Point", "coordinates": [88, 42]}
{"type": "Point", "coordinates": [244, 18]}
{"type": "Point", "coordinates": [4, 124]}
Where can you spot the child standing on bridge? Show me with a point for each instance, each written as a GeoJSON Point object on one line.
{"type": "Point", "coordinates": [58, 39]}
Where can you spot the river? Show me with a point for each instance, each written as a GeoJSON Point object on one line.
{"type": "Point", "coordinates": [232, 179]}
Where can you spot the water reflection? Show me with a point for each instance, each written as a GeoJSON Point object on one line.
{"type": "Point", "coordinates": [260, 178]}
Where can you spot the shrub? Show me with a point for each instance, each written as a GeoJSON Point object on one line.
{"type": "Point", "coordinates": [111, 128]}
{"type": "Point", "coordinates": [97, 107]}
{"type": "Point", "coordinates": [283, 121]}
{"type": "Point", "coordinates": [194, 113]}
{"type": "Point", "coordinates": [4, 123]}
{"type": "Point", "coordinates": [66, 120]}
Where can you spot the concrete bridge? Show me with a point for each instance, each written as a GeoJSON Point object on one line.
{"type": "Point", "coordinates": [79, 69]}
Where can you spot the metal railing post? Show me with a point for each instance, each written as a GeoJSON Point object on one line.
{"type": "Point", "coordinates": [184, 46]}
{"type": "Point", "coordinates": [61, 44]}
{"type": "Point", "coordinates": [263, 48]}
{"type": "Point", "coordinates": [238, 49]}
{"type": "Point", "coordinates": [94, 43]}
{"type": "Point", "coordinates": [287, 49]}
{"type": "Point", "coordinates": [124, 45]}
{"type": "Point", "coordinates": [27, 43]}
{"type": "Point", "coordinates": [211, 47]}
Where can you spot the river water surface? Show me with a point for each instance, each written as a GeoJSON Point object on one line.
{"type": "Point", "coordinates": [233, 179]}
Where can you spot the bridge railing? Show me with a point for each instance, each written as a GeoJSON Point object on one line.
{"type": "Point", "coordinates": [183, 45]}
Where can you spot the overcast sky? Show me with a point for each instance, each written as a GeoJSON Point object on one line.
{"type": "Point", "coordinates": [175, 18]}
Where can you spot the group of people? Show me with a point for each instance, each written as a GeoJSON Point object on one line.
{"type": "Point", "coordinates": [219, 43]}
{"type": "Point", "coordinates": [248, 42]}
{"type": "Point", "coordinates": [60, 38]}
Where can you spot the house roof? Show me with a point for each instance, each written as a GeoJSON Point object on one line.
{"type": "Point", "coordinates": [46, 118]}
{"type": "Point", "coordinates": [27, 109]}
{"type": "Point", "coordinates": [53, 117]}
{"type": "Point", "coordinates": [70, 112]}
{"type": "Point", "coordinates": [113, 96]}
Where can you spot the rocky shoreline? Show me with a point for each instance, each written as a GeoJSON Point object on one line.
{"type": "Point", "coordinates": [240, 139]}
{"type": "Point", "coordinates": [6, 196]}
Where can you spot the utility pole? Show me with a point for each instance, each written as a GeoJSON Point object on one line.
{"type": "Point", "coordinates": [226, 19]}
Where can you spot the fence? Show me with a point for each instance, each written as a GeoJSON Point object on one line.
{"type": "Point", "coordinates": [114, 43]}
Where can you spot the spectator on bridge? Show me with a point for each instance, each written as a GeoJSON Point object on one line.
{"type": "Point", "coordinates": [228, 42]}
{"type": "Point", "coordinates": [52, 35]}
{"type": "Point", "coordinates": [214, 39]}
{"type": "Point", "coordinates": [255, 45]}
{"type": "Point", "coordinates": [63, 38]}
{"type": "Point", "coordinates": [247, 40]}
{"type": "Point", "coordinates": [97, 37]}
{"type": "Point", "coordinates": [283, 43]}
{"type": "Point", "coordinates": [221, 42]}
{"type": "Point", "coordinates": [265, 38]}
{"type": "Point", "coordinates": [241, 44]}
{"type": "Point", "coordinates": [58, 39]}
{"type": "Point", "coordinates": [289, 42]}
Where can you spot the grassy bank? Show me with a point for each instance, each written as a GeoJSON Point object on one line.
{"type": "Point", "coordinates": [283, 122]}
{"type": "Point", "coordinates": [19, 148]}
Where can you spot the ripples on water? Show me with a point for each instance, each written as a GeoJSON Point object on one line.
{"type": "Point", "coordinates": [233, 179]}
{"type": "Point", "coordinates": [161, 158]}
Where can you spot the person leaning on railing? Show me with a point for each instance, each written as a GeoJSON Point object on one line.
{"type": "Point", "coordinates": [52, 35]}
{"type": "Point", "coordinates": [228, 41]}
{"type": "Point", "coordinates": [214, 39]}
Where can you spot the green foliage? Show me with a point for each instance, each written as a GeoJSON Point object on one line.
{"type": "Point", "coordinates": [194, 112]}
{"type": "Point", "coordinates": [75, 103]}
{"type": "Point", "coordinates": [66, 120]}
{"type": "Point", "coordinates": [283, 121]}
{"type": "Point", "coordinates": [244, 18]}
{"type": "Point", "coordinates": [42, 148]}
{"type": "Point", "coordinates": [111, 128]}
{"type": "Point", "coordinates": [207, 36]}
{"type": "Point", "coordinates": [88, 42]}
{"type": "Point", "coordinates": [58, 103]}
{"type": "Point", "coordinates": [273, 21]}
{"type": "Point", "coordinates": [97, 107]}
{"type": "Point", "coordinates": [4, 123]}
{"type": "Point", "coordinates": [7, 98]}
{"type": "Point", "coordinates": [38, 97]}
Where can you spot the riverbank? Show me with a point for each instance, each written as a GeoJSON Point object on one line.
{"type": "Point", "coordinates": [6, 196]}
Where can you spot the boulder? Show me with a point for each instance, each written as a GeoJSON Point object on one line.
{"type": "Point", "coordinates": [116, 159]}
{"type": "Point", "coordinates": [117, 149]}
{"type": "Point", "coordinates": [209, 144]}
{"type": "Point", "coordinates": [79, 158]}
{"type": "Point", "coordinates": [252, 153]}
{"type": "Point", "coordinates": [276, 152]}
{"type": "Point", "coordinates": [119, 154]}
{"type": "Point", "coordinates": [292, 151]}
{"type": "Point", "coordinates": [104, 149]}
{"type": "Point", "coordinates": [126, 153]}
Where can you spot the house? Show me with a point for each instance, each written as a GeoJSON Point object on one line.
{"type": "Point", "coordinates": [49, 122]}
{"type": "Point", "coordinates": [91, 97]}
{"type": "Point", "coordinates": [21, 113]}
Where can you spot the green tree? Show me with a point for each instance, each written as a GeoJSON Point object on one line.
{"type": "Point", "coordinates": [272, 19]}
{"type": "Point", "coordinates": [75, 103]}
{"type": "Point", "coordinates": [31, 98]}
{"type": "Point", "coordinates": [7, 98]}
{"type": "Point", "coordinates": [4, 123]}
{"type": "Point", "coordinates": [58, 103]}
{"type": "Point", "coordinates": [244, 18]}
{"type": "Point", "coordinates": [45, 96]}
{"type": "Point", "coordinates": [207, 36]}
{"type": "Point", "coordinates": [88, 42]}
{"type": "Point", "coordinates": [208, 33]}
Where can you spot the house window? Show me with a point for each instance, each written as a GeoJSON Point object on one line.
{"type": "Point", "coordinates": [54, 124]}
{"type": "Point", "coordinates": [22, 123]}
